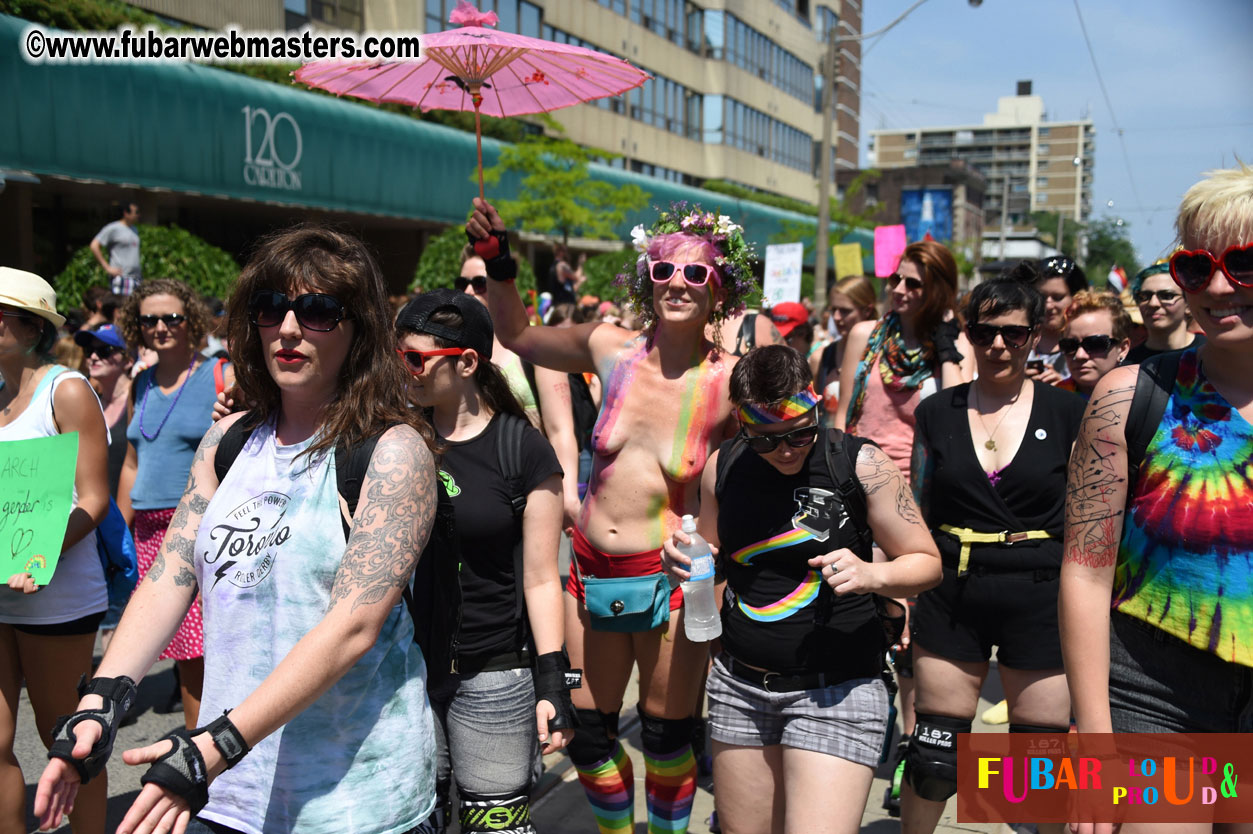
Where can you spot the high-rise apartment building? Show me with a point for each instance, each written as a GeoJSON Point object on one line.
{"type": "Point", "coordinates": [736, 87]}
{"type": "Point", "coordinates": [1031, 164]}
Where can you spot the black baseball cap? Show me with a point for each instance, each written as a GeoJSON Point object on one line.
{"type": "Point", "coordinates": [476, 325]}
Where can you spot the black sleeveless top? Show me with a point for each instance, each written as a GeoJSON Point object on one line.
{"type": "Point", "coordinates": [1031, 491]}
{"type": "Point", "coordinates": [778, 613]}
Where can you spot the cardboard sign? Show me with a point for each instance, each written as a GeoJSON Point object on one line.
{"type": "Point", "coordinates": [783, 272]}
{"type": "Point", "coordinates": [847, 260]}
{"type": "Point", "coordinates": [36, 496]}
{"type": "Point", "coordinates": [889, 243]}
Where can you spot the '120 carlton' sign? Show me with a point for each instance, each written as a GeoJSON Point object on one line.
{"type": "Point", "coordinates": [264, 165]}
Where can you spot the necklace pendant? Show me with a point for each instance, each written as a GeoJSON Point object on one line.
{"type": "Point", "coordinates": [990, 445]}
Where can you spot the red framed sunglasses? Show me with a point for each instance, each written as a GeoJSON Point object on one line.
{"type": "Point", "coordinates": [416, 359]}
{"type": "Point", "coordinates": [697, 275]}
{"type": "Point", "coordinates": [1193, 270]}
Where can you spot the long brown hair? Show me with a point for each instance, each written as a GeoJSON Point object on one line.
{"type": "Point", "coordinates": [939, 286]}
{"type": "Point", "coordinates": [370, 395]}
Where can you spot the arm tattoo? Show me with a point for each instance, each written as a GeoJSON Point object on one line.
{"type": "Point", "coordinates": [186, 576]}
{"type": "Point", "coordinates": [392, 523]}
{"type": "Point", "coordinates": [1096, 482]}
{"type": "Point", "coordinates": [876, 471]}
{"type": "Point", "coordinates": [211, 439]}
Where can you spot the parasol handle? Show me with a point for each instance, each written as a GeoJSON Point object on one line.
{"type": "Point", "coordinates": [476, 96]}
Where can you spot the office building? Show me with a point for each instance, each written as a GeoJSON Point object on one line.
{"type": "Point", "coordinates": [1031, 163]}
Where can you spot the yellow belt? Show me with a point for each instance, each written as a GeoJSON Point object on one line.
{"type": "Point", "coordinates": [967, 537]}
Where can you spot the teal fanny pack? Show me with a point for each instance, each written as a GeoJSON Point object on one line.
{"type": "Point", "coordinates": [627, 603]}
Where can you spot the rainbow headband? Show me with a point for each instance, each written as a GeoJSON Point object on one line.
{"type": "Point", "coordinates": [794, 406]}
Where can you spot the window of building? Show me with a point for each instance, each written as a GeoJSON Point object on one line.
{"type": "Point", "coordinates": [1041, 182]}
{"type": "Point", "coordinates": [827, 20]}
{"type": "Point", "coordinates": [1043, 150]}
{"type": "Point", "coordinates": [1042, 132]}
{"type": "Point", "coordinates": [1041, 197]}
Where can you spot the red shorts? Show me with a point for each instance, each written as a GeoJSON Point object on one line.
{"type": "Point", "coordinates": [595, 563]}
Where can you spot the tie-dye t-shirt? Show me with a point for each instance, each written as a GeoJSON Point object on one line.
{"type": "Point", "coordinates": [1186, 559]}
{"type": "Point", "coordinates": [361, 757]}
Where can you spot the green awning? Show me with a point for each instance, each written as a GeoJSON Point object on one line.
{"type": "Point", "coordinates": [197, 129]}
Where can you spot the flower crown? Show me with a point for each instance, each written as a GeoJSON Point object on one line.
{"type": "Point", "coordinates": [734, 259]}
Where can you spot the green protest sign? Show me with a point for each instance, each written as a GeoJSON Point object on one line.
{"type": "Point", "coordinates": [36, 496]}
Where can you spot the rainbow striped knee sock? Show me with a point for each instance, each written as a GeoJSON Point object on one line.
{"type": "Point", "coordinates": [670, 787]}
{"type": "Point", "coordinates": [610, 789]}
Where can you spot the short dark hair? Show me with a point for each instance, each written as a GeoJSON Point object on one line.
{"type": "Point", "coordinates": [1060, 266]}
{"type": "Point", "coordinates": [1005, 294]}
{"type": "Point", "coordinates": [768, 375]}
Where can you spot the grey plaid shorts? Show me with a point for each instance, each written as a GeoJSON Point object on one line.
{"type": "Point", "coordinates": [847, 719]}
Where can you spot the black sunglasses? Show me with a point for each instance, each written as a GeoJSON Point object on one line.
{"type": "Point", "coordinates": [1092, 345]}
{"type": "Point", "coordinates": [1164, 296]}
{"type": "Point", "coordinates": [104, 351]}
{"type": "Point", "coordinates": [314, 310]}
{"type": "Point", "coordinates": [479, 282]}
{"type": "Point", "coordinates": [763, 444]}
{"type": "Point", "coordinates": [169, 319]}
{"type": "Point", "coordinates": [895, 278]}
{"type": "Point", "coordinates": [1014, 335]}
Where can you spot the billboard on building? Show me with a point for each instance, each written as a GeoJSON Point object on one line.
{"type": "Point", "coordinates": [927, 210]}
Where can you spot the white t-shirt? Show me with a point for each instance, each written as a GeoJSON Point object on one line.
{"type": "Point", "coordinates": [361, 758]}
{"type": "Point", "coordinates": [77, 588]}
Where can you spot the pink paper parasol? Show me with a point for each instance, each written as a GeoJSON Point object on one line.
{"type": "Point", "coordinates": [480, 69]}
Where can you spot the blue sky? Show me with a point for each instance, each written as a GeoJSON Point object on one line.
{"type": "Point", "coordinates": [1179, 75]}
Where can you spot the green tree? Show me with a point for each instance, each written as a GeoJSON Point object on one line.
{"type": "Point", "coordinates": [1109, 244]}
{"type": "Point", "coordinates": [164, 252]}
{"type": "Point", "coordinates": [602, 270]}
{"type": "Point", "coordinates": [440, 263]}
{"type": "Point", "coordinates": [1046, 226]}
{"type": "Point", "coordinates": [557, 195]}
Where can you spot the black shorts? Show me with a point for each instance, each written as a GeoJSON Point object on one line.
{"type": "Point", "coordinates": [962, 619]}
{"type": "Point", "coordinates": [83, 625]}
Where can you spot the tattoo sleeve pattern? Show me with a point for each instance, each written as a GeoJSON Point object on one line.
{"type": "Point", "coordinates": [1096, 482]}
{"type": "Point", "coordinates": [392, 523]}
{"type": "Point", "coordinates": [877, 472]}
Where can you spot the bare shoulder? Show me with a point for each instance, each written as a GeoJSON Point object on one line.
{"type": "Point", "coordinates": [875, 469]}
{"type": "Point", "coordinates": [207, 450]}
{"type": "Point", "coordinates": [1111, 399]}
{"type": "Point", "coordinates": [74, 393]}
{"type": "Point", "coordinates": [859, 336]}
{"type": "Point", "coordinates": [608, 341]}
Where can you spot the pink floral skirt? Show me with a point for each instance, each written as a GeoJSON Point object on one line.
{"type": "Point", "coordinates": [150, 527]}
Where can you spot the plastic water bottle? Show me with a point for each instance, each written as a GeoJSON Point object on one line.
{"type": "Point", "coordinates": [701, 622]}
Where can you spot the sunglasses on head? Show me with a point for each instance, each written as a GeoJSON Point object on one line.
{"type": "Point", "coordinates": [478, 281]}
{"type": "Point", "coordinates": [314, 310]}
{"type": "Point", "coordinates": [796, 438]}
{"type": "Point", "coordinates": [169, 320]}
{"type": "Point", "coordinates": [416, 359]}
{"type": "Point", "coordinates": [1092, 345]}
{"type": "Point", "coordinates": [1057, 266]}
{"type": "Point", "coordinates": [895, 279]}
{"type": "Point", "coordinates": [695, 274]}
{"type": "Point", "coordinates": [1193, 270]}
{"type": "Point", "coordinates": [1164, 296]}
{"type": "Point", "coordinates": [1013, 335]}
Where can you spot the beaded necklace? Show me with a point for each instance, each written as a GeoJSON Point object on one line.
{"type": "Point", "coordinates": [143, 406]}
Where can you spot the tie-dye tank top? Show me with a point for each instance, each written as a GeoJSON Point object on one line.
{"type": "Point", "coordinates": [361, 757]}
{"type": "Point", "coordinates": [1185, 563]}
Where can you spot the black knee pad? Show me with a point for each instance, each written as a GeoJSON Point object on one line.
{"type": "Point", "coordinates": [1036, 728]}
{"type": "Point", "coordinates": [665, 735]}
{"type": "Point", "coordinates": [594, 740]}
{"type": "Point", "coordinates": [931, 762]}
{"type": "Point", "coordinates": [501, 814]}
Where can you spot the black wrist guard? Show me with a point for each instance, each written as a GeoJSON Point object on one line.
{"type": "Point", "coordinates": [181, 771]}
{"type": "Point", "coordinates": [945, 340]}
{"type": "Point", "coordinates": [553, 681]}
{"type": "Point", "coordinates": [494, 250]}
{"type": "Point", "coordinates": [119, 696]}
{"type": "Point", "coordinates": [226, 738]}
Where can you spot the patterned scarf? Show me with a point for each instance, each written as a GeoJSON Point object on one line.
{"type": "Point", "coordinates": [900, 367]}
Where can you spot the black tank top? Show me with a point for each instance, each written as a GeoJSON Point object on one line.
{"type": "Point", "coordinates": [1030, 493]}
{"type": "Point", "coordinates": [778, 613]}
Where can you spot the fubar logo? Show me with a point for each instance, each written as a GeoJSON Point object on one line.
{"type": "Point", "coordinates": [273, 146]}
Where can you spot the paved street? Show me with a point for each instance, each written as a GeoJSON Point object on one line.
{"type": "Point", "coordinates": [559, 808]}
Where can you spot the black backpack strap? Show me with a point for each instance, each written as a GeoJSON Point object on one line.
{"type": "Point", "coordinates": [728, 453]}
{"type": "Point", "coordinates": [1153, 386]}
{"type": "Point", "coordinates": [229, 447]}
{"type": "Point", "coordinates": [841, 451]}
{"type": "Point", "coordinates": [509, 455]}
